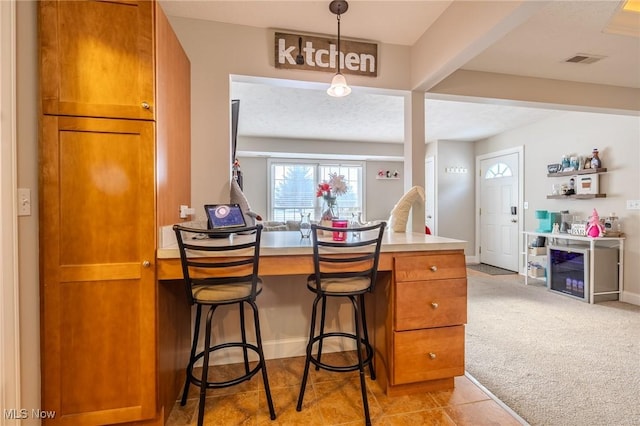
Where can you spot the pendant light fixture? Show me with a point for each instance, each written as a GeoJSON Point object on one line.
{"type": "Point", "coordinates": [339, 86]}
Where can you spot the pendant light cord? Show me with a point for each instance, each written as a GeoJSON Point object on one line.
{"type": "Point", "coordinates": [338, 15]}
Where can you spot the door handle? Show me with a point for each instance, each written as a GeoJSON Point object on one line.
{"type": "Point", "coordinates": [514, 220]}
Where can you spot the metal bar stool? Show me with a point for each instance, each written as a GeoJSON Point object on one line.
{"type": "Point", "coordinates": [220, 267]}
{"type": "Point", "coordinates": [346, 263]}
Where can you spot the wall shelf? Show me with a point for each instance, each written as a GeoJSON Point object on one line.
{"type": "Point", "coordinates": [576, 196]}
{"type": "Point", "coordinates": [578, 172]}
{"type": "Point", "coordinates": [387, 178]}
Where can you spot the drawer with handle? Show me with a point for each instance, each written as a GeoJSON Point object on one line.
{"type": "Point", "coordinates": [430, 267]}
{"type": "Point", "coordinates": [428, 354]}
{"type": "Point", "coordinates": [426, 304]}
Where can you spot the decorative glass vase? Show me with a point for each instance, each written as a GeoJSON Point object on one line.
{"type": "Point", "coordinates": [329, 208]}
{"type": "Point", "coordinates": [356, 222]}
{"type": "Point", "coordinates": [329, 211]}
{"type": "Point", "coordinates": [305, 225]}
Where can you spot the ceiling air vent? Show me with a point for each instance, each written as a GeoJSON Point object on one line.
{"type": "Point", "coordinates": [583, 58]}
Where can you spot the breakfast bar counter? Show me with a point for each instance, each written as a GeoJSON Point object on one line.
{"type": "Point", "coordinates": [418, 307]}
{"type": "Point", "coordinates": [298, 251]}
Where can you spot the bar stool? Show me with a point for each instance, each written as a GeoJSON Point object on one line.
{"type": "Point", "coordinates": [222, 270]}
{"type": "Point", "coordinates": [345, 268]}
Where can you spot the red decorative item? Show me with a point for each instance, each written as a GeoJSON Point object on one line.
{"type": "Point", "coordinates": [339, 223]}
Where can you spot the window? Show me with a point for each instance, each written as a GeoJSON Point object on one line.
{"type": "Point", "coordinates": [293, 186]}
{"type": "Point", "coordinates": [497, 171]}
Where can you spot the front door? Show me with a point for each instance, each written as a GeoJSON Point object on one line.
{"type": "Point", "coordinates": [499, 210]}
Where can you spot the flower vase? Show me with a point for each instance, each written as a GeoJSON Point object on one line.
{"type": "Point", "coordinates": [305, 225]}
{"type": "Point", "coordinates": [356, 222]}
{"type": "Point", "coordinates": [329, 211]}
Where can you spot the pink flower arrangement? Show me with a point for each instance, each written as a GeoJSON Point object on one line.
{"type": "Point", "coordinates": [336, 186]}
{"type": "Point", "coordinates": [329, 190]}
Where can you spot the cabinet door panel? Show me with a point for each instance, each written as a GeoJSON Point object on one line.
{"type": "Point", "coordinates": [98, 294]}
{"type": "Point", "coordinates": [97, 58]}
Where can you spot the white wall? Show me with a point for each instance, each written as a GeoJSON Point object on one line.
{"type": "Point", "coordinates": [218, 51]}
{"type": "Point", "coordinates": [27, 133]}
{"type": "Point", "coordinates": [456, 192]}
{"type": "Point", "coordinates": [618, 140]}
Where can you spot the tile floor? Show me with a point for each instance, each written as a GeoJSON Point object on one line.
{"type": "Point", "coordinates": [334, 399]}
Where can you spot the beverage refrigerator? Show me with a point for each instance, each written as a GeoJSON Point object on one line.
{"type": "Point", "coordinates": [568, 271]}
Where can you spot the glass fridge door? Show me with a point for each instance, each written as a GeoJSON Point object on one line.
{"type": "Point", "coordinates": [568, 271]}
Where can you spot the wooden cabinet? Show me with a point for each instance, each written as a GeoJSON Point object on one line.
{"type": "Point", "coordinates": [97, 58]}
{"type": "Point", "coordinates": [420, 317]}
{"type": "Point", "coordinates": [106, 161]}
{"type": "Point", "coordinates": [98, 285]}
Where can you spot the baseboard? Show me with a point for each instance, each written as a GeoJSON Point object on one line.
{"type": "Point", "coordinates": [628, 297]}
{"type": "Point", "coordinates": [289, 348]}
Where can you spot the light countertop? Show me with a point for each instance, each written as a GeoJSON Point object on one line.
{"type": "Point", "coordinates": [280, 243]}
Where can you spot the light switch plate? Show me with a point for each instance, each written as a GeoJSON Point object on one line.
{"type": "Point", "coordinates": [633, 204]}
{"type": "Point", "coordinates": [24, 202]}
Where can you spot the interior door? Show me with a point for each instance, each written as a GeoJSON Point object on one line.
{"type": "Point", "coordinates": [498, 210]}
{"type": "Point", "coordinates": [97, 251]}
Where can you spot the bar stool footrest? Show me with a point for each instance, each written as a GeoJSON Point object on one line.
{"type": "Point", "coordinates": [340, 368]}
{"type": "Point", "coordinates": [231, 382]}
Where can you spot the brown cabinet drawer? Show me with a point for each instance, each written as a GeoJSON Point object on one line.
{"type": "Point", "coordinates": [430, 267]}
{"type": "Point", "coordinates": [429, 354]}
{"type": "Point", "coordinates": [425, 304]}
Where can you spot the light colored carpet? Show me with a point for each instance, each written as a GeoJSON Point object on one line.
{"type": "Point", "coordinates": [554, 360]}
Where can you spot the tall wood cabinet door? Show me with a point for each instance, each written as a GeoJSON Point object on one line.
{"type": "Point", "coordinates": [97, 263]}
{"type": "Point", "coordinates": [96, 58]}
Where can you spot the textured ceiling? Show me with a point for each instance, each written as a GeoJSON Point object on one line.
{"type": "Point", "coordinates": [284, 112]}
{"type": "Point", "coordinates": [536, 48]}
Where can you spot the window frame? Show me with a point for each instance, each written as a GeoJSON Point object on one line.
{"type": "Point", "coordinates": [317, 165]}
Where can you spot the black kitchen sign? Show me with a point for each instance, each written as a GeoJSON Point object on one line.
{"type": "Point", "coordinates": [313, 53]}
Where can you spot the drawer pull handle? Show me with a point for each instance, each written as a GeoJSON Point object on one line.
{"type": "Point", "coordinates": [146, 264]}
{"type": "Point", "coordinates": [145, 105]}
{"type": "Point", "coordinates": [434, 305]}
{"type": "Point", "coordinates": [434, 268]}
{"type": "Point", "coordinates": [432, 355]}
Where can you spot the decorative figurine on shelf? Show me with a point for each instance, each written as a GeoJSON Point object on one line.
{"type": "Point", "coordinates": [594, 227]}
{"type": "Point", "coordinates": [556, 229]}
{"type": "Point", "coordinates": [595, 159]}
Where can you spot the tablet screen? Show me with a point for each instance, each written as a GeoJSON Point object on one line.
{"type": "Point", "coordinates": [224, 216]}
